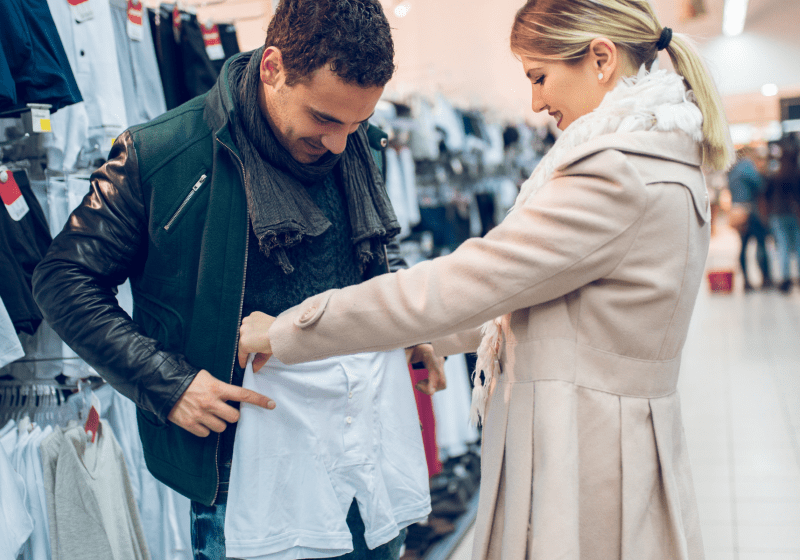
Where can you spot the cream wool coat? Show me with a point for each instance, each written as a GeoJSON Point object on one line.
{"type": "Point", "coordinates": [584, 455]}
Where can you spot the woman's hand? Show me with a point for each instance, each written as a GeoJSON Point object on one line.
{"type": "Point", "coordinates": [434, 364]}
{"type": "Point", "coordinates": [254, 338]}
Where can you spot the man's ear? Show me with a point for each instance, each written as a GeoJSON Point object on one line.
{"type": "Point", "coordinates": [272, 71]}
{"type": "Point", "coordinates": [604, 56]}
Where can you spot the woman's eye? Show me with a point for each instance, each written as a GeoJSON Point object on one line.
{"type": "Point", "coordinates": [539, 80]}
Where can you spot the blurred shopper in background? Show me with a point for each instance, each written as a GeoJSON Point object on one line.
{"type": "Point", "coordinates": [578, 302]}
{"type": "Point", "coordinates": [746, 184]}
{"type": "Point", "coordinates": [783, 203]}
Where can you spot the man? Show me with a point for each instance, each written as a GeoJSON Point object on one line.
{"type": "Point", "coordinates": [747, 185]}
{"type": "Point", "coordinates": [249, 198]}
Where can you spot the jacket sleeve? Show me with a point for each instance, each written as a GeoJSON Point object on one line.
{"type": "Point", "coordinates": [103, 243]}
{"type": "Point", "coordinates": [574, 231]}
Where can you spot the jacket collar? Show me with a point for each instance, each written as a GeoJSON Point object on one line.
{"type": "Point", "coordinates": [673, 146]}
{"type": "Point", "coordinates": [220, 109]}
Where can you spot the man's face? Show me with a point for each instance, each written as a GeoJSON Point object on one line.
{"type": "Point", "coordinates": [315, 116]}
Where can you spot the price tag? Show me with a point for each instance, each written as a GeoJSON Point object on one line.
{"type": "Point", "coordinates": [12, 196]}
{"type": "Point", "coordinates": [40, 120]}
{"type": "Point", "coordinates": [134, 23]}
{"type": "Point", "coordinates": [212, 41]}
{"type": "Point", "coordinates": [81, 10]}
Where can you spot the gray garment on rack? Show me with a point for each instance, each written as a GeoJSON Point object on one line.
{"type": "Point", "coordinates": [138, 68]}
{"type": "Point", "coordinates": [90, 504]}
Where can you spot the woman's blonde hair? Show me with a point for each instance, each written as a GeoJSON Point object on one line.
{"type": "Point", "coordinates": [563, 30]}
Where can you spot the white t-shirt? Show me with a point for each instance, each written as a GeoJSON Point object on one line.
{"type": "Point", "coordinates": [343, 428]}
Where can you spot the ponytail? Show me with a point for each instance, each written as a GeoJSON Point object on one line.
{"type": "Point", "coordinates": [718, 153]}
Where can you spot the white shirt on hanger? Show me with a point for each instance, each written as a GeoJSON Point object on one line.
{"type": "Point", "coordinates": [15, 522]}
{"type": "Point", "coordinates": [344, 428]}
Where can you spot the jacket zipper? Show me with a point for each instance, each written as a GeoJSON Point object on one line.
{"type": "Point", "coordinates": [241, 305]}
{"type": "Point", "coordinates": [186, 200]}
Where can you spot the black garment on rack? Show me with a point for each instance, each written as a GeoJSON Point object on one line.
{"type": "Point", "coordinates": [35, 55]}
{"type": "Point", "coordinates": [230, 42]}
{"type": "Point", "coordinates": [170, 64]}
{"type": "Point", "coordinates": [8, 90]}
{"type": "Point", "coordinates": [23, 244]}
{"type": "Point", "coordinates": [199, 72]}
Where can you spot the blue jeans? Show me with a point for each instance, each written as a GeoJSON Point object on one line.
{"type": "Point", "coordinates": [208, 536]}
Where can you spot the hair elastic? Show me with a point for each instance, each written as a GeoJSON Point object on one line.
{"type": "Point", "coordinates": [664, 40]}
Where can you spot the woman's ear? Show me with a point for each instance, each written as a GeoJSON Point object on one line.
{"type": "Point", "coordinates": [604, 57]}
{"type": "Point", "coordinates": [272, 71]}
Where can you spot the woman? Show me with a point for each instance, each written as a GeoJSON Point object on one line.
{"type": "Point", "coordinates": [584, 292]}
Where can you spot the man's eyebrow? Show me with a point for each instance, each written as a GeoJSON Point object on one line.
{"type": "Point", "coordinates": [327, 117]}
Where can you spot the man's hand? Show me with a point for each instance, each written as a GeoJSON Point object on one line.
{"type": "Point", "coordinates": [435, 365]}
{"type": "Point", "coordinates": [254, 337]}
{"type": "Point", "coordinates": [203, 407]}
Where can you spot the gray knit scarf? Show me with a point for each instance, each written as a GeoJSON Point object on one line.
{"type": "Point", "coordinates": [281, 211]}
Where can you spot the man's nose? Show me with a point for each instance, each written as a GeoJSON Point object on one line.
{"type": "Point", "coordinates": [335, 143]}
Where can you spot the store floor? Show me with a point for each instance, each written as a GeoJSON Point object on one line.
{"type": "Point", "coordinates": [740, 393]}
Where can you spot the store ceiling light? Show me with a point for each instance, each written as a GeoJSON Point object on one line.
{"type": "Point", "coordinates": [769, 90]}
{"type": "Point", "coordinates": [402, 9]}
{"type": "Point", "coordinates": [733, 17]}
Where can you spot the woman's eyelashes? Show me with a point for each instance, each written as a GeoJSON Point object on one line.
{"type": "Point", "coordinates": [539, 81]}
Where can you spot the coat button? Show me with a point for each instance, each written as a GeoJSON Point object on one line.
{"type": "Point", "coordinates": [384, 142]}
{"type": "Point", "coordinates": [349, 420]}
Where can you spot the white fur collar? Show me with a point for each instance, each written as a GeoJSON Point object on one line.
{"type": "Point", "coordinates": [656, 100]}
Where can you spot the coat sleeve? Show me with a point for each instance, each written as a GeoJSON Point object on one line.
{"type": "Point", "coordinates": [103, 243]}
{"type": "Point", "coordinates": [574, 231]}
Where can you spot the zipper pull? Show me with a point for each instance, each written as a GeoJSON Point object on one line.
{"type": "Point", "coordinates": [199, 182]}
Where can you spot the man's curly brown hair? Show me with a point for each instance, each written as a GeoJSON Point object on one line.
{"type": "Point", "coordinates": [353, 37]}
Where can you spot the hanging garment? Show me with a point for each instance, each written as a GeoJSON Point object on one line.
{"type": "Point", "coordinates": [344, 428]}
{"type": "Point", "coordinates": [427, 422]}
{"type": "Point", "coordinates": [409, 185]}
{"type": "Point", "coordinates": [170, 64]}
{"type": "Point", "coordinates": [141, 81]}
{"type": "Point", "coordinates": [16, 524]}
{"type": "Point", "coordinates": [90, 505]}
{"type": "Point", "coordinates": [8, 89]}
{"type": "Point", "coordinates": [35, 55]}
{"type": "Point", "coordinates": [92, 54]}
{"type": "Point", "coordinates": [229, 39]}
{"type": "Point", "coordinates": [454, 433]}
{"type": "Point", "coordinates": [396, 192]}
{"type": "Point", "coordinates": [164, 512]}
{"type": "Point", "coordinates": [28, 464]}
{"type": "Point", "coordinates": [23, 243]}
{"type": "Point", "coordinates": [199, 72]}
{"type": "Point", "coordinates": [10, 347]}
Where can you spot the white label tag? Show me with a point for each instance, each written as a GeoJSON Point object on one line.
{"type": "Point", "coordinates": [134, 24]}
{"type": "Point", "coordinates": [40, 120]}
{"type": "Point", "coordinates": [213, 42]}
{"type": "Point", "coordinates": [81, 10]}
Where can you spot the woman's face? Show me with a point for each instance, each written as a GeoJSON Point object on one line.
{"type": "Point", "coordinates": [565, 91]}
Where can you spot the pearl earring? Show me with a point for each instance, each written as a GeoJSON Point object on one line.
{"type": "Point", "coordinates": [600, 76]}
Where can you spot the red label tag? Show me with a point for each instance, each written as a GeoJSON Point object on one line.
{"type": "Point", "coordinates": [76, 2]}
{"type": "Point", "coordinates": [92, 423]}
{"type": "Point", "coordinates": [134, 25]}
{"type": "Point", "coordinates": [212, 41]}
{"type": "Point", "coordinates": [135, 12]}
{"type": "Point", "coordinates": [12, 197]}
